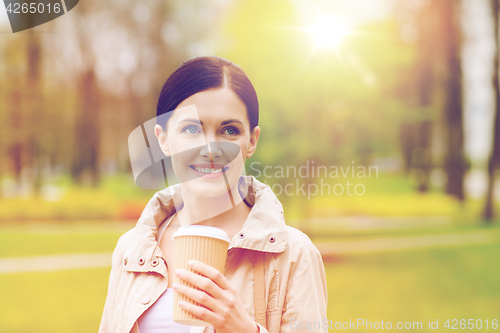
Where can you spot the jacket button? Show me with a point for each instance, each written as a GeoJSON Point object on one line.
{"type": "Point", "coordinates": [141, 261]}
{"type": "Point", "coordinates": [241, 235]}
{"type": "Point", "coordinates": [271, 240]}
{"type": "Point", "coordinates": [155, 262]}
{"type": "Point", "coordinates": [125, 261]}
{"type": "Point", "coordinates": [145, 299]}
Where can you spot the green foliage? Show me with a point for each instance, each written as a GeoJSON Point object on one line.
{"type": "Point", "coordinates": [330, 105]}
{"type": "Point", "coordinates": [390, 195]}
{"type": "Point", "coordinates": [118, 197]}
{"type": "Point", "coordinates": [76, 204]}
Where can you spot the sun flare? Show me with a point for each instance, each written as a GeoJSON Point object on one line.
{"type": "Point", "coordinates": [330, 32]}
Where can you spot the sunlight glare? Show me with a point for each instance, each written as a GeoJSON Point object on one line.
{"type": "Point", "coordinates": [330, 32]}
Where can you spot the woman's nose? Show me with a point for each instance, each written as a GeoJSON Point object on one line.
{"type": "Point", "coordinates": [211, 150]}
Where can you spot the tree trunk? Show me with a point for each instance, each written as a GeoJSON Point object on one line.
{"type": "Point", "coordinates": [35, 110]}
{"type": "Point", "coordinates": [16, 148]}
{"type": "Point", "coordinates": [86, 146]}
{"type": "Point", "coordinates": [85, 161]}
{"type": "Point", "coordinates": [489, 213]}
{"type": "Point", "coordinates": [425, 78]}
{"type": "Point", "coordinates": [454, 163]}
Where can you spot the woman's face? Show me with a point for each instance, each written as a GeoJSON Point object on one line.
{"type": "Point", "coordinates": [208, 137]}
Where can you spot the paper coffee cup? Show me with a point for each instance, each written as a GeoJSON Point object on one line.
{"type": "Point", "coordinates": [203, 243]}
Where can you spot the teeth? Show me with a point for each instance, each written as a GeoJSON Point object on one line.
{"type": "Point", "coordinates": [208, 170]}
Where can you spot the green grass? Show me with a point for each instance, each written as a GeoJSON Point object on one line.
{"type": "Point", "coordinates": [411, 285]}
{"type": "Point", "coordinates": [56, 238]}
{"type": "Point", "coordinates": [416, 285]}
{"type": "Point", "coordinates": [322, 233]}
{"type": "Point", "coordinates": [63, 301]}
{"type": "Point", "coordinates": [34, 239]}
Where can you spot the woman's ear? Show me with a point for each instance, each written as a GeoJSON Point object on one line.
{"type": "Point", "coordinates": [162, 139]}
{"type": "Point", "coordinates": [254, 138]}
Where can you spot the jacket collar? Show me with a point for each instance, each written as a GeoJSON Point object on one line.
{"type": "Point", "coordinates": [263, 230]}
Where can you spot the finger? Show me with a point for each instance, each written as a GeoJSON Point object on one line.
{"type": "Point", "coordinates": [202, 282]}
{"type": "Point", "coordinates": [197, 296]}
{"type": "Point", "coordinates": [211, 272]}
{"type": "Point", "coordinates": [201, 312]}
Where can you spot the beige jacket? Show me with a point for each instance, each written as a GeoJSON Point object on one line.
{"type": "Point", "coordinates": [295, 283]}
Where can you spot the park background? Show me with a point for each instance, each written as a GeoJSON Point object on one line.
{"type": "Point", "coordinates": [407, 87]}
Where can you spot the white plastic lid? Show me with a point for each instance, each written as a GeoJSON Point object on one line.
{"type": "Point", "coordinates": [201, 230]}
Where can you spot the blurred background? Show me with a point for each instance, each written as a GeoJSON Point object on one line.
{"type": "Point", "coordinates": [398, 100]}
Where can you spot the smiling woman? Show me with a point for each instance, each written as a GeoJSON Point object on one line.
{"type": "Point", "coordinates": [209, 141]}
{"type": "Point", "coordinates": [207, 122]}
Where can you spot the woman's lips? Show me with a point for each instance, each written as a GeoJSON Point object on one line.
{"type": "Point", "coordinates": [209, 171]}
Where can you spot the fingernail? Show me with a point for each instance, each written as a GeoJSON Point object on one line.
{"type": "Point", "coordinates": [178, 272]}
{"type": "Point", "coordinates": [175, 286]}
{"type": "Point", "coordinates": [191, 263]}
{"type": "Point", "coordinates": [181, 303]}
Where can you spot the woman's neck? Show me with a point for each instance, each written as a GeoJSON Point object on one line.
{"type": "Point", "coordinates": [227, 211]}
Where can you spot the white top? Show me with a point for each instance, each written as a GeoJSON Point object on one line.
{"type": "Point", "coordinates": [158, 317]}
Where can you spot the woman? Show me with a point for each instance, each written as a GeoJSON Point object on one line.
{"type": "Point", "coordinates": [212, 129]}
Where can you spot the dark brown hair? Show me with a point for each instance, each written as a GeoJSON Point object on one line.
{"type": "Point", "coordinates": [203, 73]}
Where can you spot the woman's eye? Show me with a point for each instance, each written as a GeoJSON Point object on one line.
{"type": "Point", "coordinates": [231, 131]}
{"type": "Point", "coordinates": [191, 129]}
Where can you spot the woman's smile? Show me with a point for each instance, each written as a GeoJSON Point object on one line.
{"type": "Point", "coordinates": [209, 170]}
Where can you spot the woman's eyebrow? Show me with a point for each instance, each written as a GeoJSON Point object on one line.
{"type": "Point", "coordinates": [225, 122]}
{"type": "Point", "coordinates": [196, 121]}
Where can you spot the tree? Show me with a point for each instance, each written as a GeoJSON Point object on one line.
{"type": "Point", "coordinates": [34, 100]}
{"type": "Point", "coordinates": [416, 135]}
{"type": "Point", "coordinates": [86, 145]}
{"type": "Point", "coordinates": [488, 213]}
{"type": "Point", "coordinates": [454, 161]}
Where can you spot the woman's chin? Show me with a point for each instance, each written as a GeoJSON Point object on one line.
{"type": "Point", "coordinates": [209, 188]}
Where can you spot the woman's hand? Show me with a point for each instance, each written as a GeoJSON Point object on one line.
{"type": "Point", "coordinates": [225, 310]}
